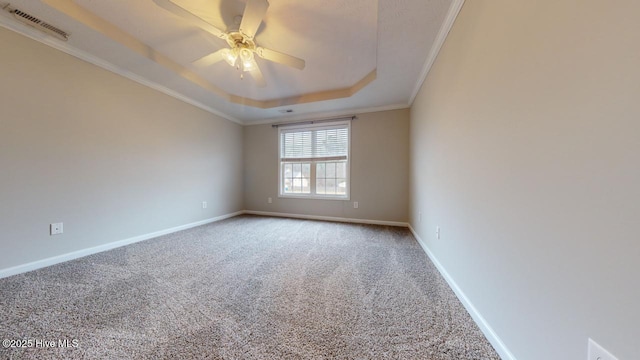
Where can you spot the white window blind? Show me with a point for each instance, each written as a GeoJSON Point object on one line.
{"type": "Point", "coordinates": [322, 144]}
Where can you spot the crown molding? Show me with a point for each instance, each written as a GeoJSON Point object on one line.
{"type": "Point", "coordinates": [326, 115]}
{"type": "Point", "coordinates": [449, 20]}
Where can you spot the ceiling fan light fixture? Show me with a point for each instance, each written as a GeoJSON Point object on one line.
{"type": "Point", "coordinates": [246, 54]}
{"type": "Point", "coordinates": [249, 65]}
{"type": "Point", "coordinates": [248, 62]}
{"type": "Point", "coordinates": [230, 56]}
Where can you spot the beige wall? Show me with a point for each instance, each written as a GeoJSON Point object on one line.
{"type": "Point", "coordinates": [110, 158]}
{"type": "Point", "coordinates": [525, 150]}
{"type": "Point", "coordinates": [379, 171]}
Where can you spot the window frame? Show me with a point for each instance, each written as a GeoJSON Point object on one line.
{"type": "Point", "coordinates": [312, 175]}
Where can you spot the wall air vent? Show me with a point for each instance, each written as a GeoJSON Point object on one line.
{"type": "Point", "coordinates": [37, 23]}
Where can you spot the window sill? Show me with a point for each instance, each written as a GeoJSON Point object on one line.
{"type": "Point", "coordinates": [315, 197]}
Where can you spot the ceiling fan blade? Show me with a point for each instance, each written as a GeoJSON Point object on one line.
{"type": "Point", "coordinates": [190, 17]}
{"type": "Point", "coordinates": [253, 13]}
{"type": "Point", "coordinates": [280, 58]}
{"type": "Point", "coordinates": [256, 74]}
{"type": "Point", "coordinates": [210, 59]}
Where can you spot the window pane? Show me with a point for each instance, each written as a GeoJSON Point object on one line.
{"type": "Point", "coordinates": [305, 178]}
{"type": "Point", "coordinates": [341, 170]}
{"type": "Point", "coordinates": [287, 185]}
{"type": "Point", "coordinates": [341, 186]}
{"type": "Point", "coordinates": [330, 186]}
{"type": "Point", "coordinates": [320, 171]}
{"type": "Point", "coordinates": [286, 177]}
{"type": "Point", "coordinates": [296, 178]}
{"type": "Point", "coordinates": [296, 144]}
{"type": "Point", "coordinates": [331, 142]}
{"type": "Point", "coordinates": [320, 187]}
{"type": "Point", "coordinates": [331, 170]}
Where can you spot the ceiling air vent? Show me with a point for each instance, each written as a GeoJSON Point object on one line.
{"type": "Point", "coordinates": [37, 23]}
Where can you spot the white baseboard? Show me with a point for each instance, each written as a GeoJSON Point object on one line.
{"type": "Point", "coordinates": [327, 218]}
{"type": "Point", "coordinates": [484, 326]}
{"type": "Point", "coordinates": [100, 248]}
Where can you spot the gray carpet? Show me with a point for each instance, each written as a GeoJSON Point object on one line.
{"type": "Point", "coordinates": [245, 288]}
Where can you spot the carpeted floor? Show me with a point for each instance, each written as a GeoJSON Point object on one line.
{"type": "Point", "coordinates": [245, 288]}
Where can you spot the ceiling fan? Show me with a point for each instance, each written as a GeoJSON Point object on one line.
{"type": "Point", "coordinates": [242, 45]}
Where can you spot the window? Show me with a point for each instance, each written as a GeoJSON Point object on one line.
{"type": "Point", "coordinates": [314, 160]}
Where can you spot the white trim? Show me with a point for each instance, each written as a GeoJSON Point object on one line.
{"type": "Point", "coordinates": [329, 120]}
{"type": "Point", "coordinates": [595, 351]}
{"type": "Point", "coordinates": [109, 246]}
{"type": "Point", "coordinates": [482, 323]}
{"type": "Point", "coordinates": [327, 218]}
{"type": "Point", "coordinates": [53, 42]}
{"type": "Point", "coordinates": [325, 115]}
{"type": "Point", "coordinates": [315, 125]}
{"type": "Point", "coordinates": [314, 197]}
{"type": "Point", "coordinates": [454, 9]}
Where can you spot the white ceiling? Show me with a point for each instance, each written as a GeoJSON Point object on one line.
{"type": "Point", "coordinates": [342, 42]}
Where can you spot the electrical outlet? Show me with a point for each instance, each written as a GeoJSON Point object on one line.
{"type": "Point", "coordinates": [204, 204]}
{"type": "Point", "coordinates": [597, 352]}
{"type": "Point", "coordinates": [438, 232]}
{"type": "Point", "coordinates": [269, 200]}
{"type": "Point", "coordinates": [56, 228]}
{"type": "Point", "coordinates": [355, 204]}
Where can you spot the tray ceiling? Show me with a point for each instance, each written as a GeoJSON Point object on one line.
{"type": "Point", "coordinates": [359, 54]}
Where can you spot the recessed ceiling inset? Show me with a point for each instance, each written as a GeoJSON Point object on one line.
{"type": "Point", "coordinates": [341, 58]}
